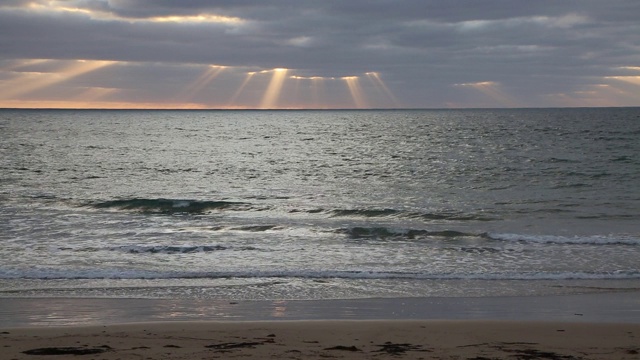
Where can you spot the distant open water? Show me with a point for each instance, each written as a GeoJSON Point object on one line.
{"type": "Point", "coordinates": [318, 204]}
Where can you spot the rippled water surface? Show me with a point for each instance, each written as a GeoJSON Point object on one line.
{"type": "Point", "coordinates": [318, 204]}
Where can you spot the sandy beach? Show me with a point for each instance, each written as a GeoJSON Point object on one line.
{"type": "Point", "coordinates": [588, 326]}
{"type": "Point", "coordinates": [327, 339]}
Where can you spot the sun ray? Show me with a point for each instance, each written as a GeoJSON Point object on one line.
{"type": "Point", "coordinates": [492, 90]}
{"type": "Point", "coordinates": [203, 80]}
{"type": "Point", "coordinates": [241, 88]}
{"type": "Point", "coordinates": [624, 88]}
{"type": "Point", "coordinates": [18, 64]}
{"type": "Point", "coordinates": [317, 88]}
{"type": "Point", "coordinates": [378, 83]}
{"type": "Point", "coordinates": [594, 95]}
{"type": "Point", "coordinates": [635, 80]}
{"type": "Point", "coordinates": [297, 99]}
{"type": "Point", "coordinates": [308, 89]}
{"type": "Point", "coordinates": [72, 104]}
{"type": "Point", "coordinates": [273, 90]}
{"type": "Point", "coordinates": [32, 81]}
{"type": "Point", "coordinates": [353, 82]}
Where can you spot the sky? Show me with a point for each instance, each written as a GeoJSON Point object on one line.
{"type": "Point", "coordinates": [299, 54]}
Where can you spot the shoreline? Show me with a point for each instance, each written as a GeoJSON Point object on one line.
{"type": "Point", "coordinates": [607, 307]}
{"type": "Point", "coordinates": [417, 339]}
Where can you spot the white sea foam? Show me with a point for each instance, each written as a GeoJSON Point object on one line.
{"type": "Point", "coordinates": [51, 274]}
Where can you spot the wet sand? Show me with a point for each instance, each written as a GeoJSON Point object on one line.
{"type": "Point", "coordinates": [610, 307]}
{"type": "Point", "coordinates": [589, 326]}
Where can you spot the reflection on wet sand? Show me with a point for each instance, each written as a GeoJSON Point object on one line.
{"type": "Point", "coordinates": [603, 307]}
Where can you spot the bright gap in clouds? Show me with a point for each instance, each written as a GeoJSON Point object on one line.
{"type": "Point", "coordinates": [62, 7]}
{"type": "Point", "coordinates": [629, 79]}
{"type": "Point", "coordinates": [201, 18]}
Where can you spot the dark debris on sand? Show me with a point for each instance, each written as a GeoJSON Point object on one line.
{"type": "Point", "coordinates": [227, 346]}
{"type": "Point", "coordinates": [68, 350]}
{"type": "Point", "coordinates": [344, 348]}
{"type": "Point", "coordinates": [398, 349]}
{"type": "Point", "coordinates": [537, 354]}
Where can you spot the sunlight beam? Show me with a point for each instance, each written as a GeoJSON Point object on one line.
{"type": "Point", "coordinates": [17, 64]}
{"type": "Point", "coordinates": [241, 88]}
{"type": "Point", "coordinates": [317, 88]}
{"type": "Point", "coordinates": [624, 87]}
{"type": "Point", "coordinates": [297, 99]}
{"type": "Point", "coordinates": [492, 90]}
{"type": "Point", "coordinates": [273, 90]}
{"type": "Point", "coordinates": [378, 83]}
{"type": "Point", "coordinates": [595, 95]}
{"type": "Point", "coordinates": [635, 80]}
{"type": "Point", "coordinates": [203, 80]}
{"type": "Point", "coordinates": [356, 91]}
{"type": "Point", "coordinates": [71, 104]}
{"type": "Point", "coordinates": [30, 82]}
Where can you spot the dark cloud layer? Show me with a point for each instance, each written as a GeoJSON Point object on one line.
{"type": "Point", "coordinates": [429, 53]}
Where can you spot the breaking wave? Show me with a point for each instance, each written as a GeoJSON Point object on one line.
{"type": "Point", "coordinates": [555, 239]}
{"type": "Point", "coordinates": [169, 206]}
{"type": "Point", "coordinates": [173, 249]}
{"type": "Point", "coordinates": [375, 213]}
{"type": "Point", "coordinates": [359, 232]}
{"type": "Point", "coordinates": [384, 232]}
{"type": "Point", "coordinates": [190, 206]}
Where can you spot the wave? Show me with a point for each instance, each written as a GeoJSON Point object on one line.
{"type": "Point", "coordinates": [55, 274]}
{"type": "Point", "coordinates": [169, 206]}
{"type": "Point", "coordinates": [386, 212]}
{"type": "Point", "coordinates": [555, 239]}
{"type": "Point", "coordinates": [359, 232]}
{"type": "Point", "coordinates": [384, 232]}
{"type": "Point", "coordinates": [364, 212]}
{"type": "Point", "coordinates": [257, 228]}
{"type": "Point", "coordinates": [174, 249]}
{"type": "Point", "coordinates": [172, 206]}
{"type": "Point", "coordinates": [221, 228]}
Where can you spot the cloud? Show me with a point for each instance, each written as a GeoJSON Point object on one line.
{"type": "Point", "coordinates": [419, 48]}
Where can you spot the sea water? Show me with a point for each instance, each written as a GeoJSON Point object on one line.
{"type": "Point", "coordinates": [318, 204]}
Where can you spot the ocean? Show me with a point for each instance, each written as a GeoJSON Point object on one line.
{"type": "Point", "coordinates": [345, 204]}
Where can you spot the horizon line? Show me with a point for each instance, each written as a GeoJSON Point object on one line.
{"type": "Point", "coordinates": [319, 109]}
